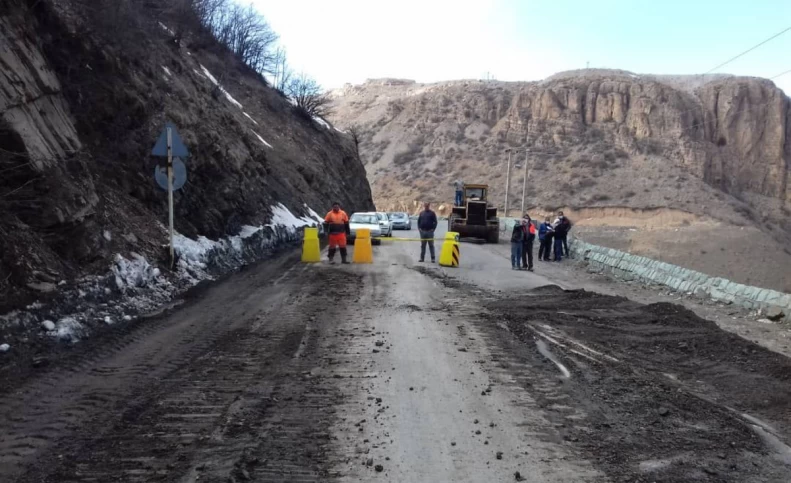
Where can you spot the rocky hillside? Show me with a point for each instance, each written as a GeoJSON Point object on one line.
{"type": "Point", "coordinates": [717, 149]}
{"type": "Point", "coordinates": [85, 89]}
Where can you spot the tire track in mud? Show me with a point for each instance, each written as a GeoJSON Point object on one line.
{"type": "Point", "coordinates": [228, 399]}
{"type": "Point", "coordinates": [655, 394]}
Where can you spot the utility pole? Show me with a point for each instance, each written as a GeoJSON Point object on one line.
{"type": "Point", "coordinates": [507, 182]}
{"type": "Point", "coordinates": [526, 172]}
{"type": "Point", "coordinates": [524, 182]}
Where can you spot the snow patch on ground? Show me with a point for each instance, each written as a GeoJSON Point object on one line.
{"type": "Point", "coordinates": [167, 71]}
{"type": "Point", "coordinates": [136, 272]}
{"type": "Point", "coordinates": [262, 140]}
{"type": "Point", "coordinates": [132, 287]}
{"type": "Point", "coordinates": [166, 29]}
{"type": "Point", "coordinates": [214, 81]}
{"type": "Point", "coordinates": [69, 329]}
{"type": "Point", "coordinates": [250, 118]}
{"type": "Point", "coordinates": [321, 122]}
{"type": "Point", "coordinates": [5, 347]}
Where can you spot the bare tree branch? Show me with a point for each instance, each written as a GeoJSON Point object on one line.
{"type": "Point", "coordinates": [308, 96]}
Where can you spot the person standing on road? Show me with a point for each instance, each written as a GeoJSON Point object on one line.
{"type": "Point", "coordinates": [527, 244]}
{"type": "Point", "coordinates": [561, 231]}
{"type": "Point", "coordinates": [337, 225]}
{"type": "Point", "coordinates": [459, 192]}
{"type": "Point", "coordinates": [517, 239]}
{"type": "Point", "coordinates": [563, 219]}
{"type": "Point", "coordinates": [545, 232]}
{"type": "Point", "coordinates": [426, 224]}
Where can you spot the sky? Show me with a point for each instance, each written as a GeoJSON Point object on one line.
{"type": "Point", "coordinates": [348, 41]}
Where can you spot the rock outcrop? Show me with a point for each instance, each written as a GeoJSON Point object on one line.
{"type": "Point", "coordinates": [85, 89]}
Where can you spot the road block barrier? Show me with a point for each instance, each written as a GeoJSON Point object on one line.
{"type": "Point", "coordinates": [449, 256]}
{"type": "Point", "coordinates": [363, 251]}
{"type": "Point", "coordinates": [311, 252]}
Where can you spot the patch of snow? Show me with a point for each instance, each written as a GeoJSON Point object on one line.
{"type": "Point", "coordinates": [313, 214]}
{"type": "Point", "coordinates": [321, 122]}
{"type": "Point", "coordinates": [108, 320]}
{"type": "Point", "coordinates": [262, 140]}
{"type": "Point", "coordinates": [214, 81]}
{"type": "Point", "coordinates": [136, 272]}
{"type": "Point", "coordinates": [281, 216]}
{"type": "Point", "coordinates": [250, 118]}
{"type": "Point", "coordinates": [5, 347]}
{"type": "Point", "coordinates": [248, 231]}
{"type": "Point", "coordinates": [198, 73]}
{"type": "Point", "coordinates": [167, 71]}
{"type": "Point", "coordinates": [166, 29]}
{"type": "Point", "coordinates": [35, 306]}
{"type": "Point", "coordinates": [128, 318]}
{"type": "Point", "coordinates": [48, 325]}
{"type": "Point", "coordinates": [342, 132]}
{"type": "Point", "coordinates": [107, 235]}
{"type": "Point", "coordinates": [69, 329]}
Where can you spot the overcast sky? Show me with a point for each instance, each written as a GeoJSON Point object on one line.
{"type": "Point", "coordinates": [342, 41]}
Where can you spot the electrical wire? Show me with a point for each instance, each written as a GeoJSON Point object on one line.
{"type": "Point", "coordinates": [780, 74]}
{"type": "Point", "coordinates": [748, 50]}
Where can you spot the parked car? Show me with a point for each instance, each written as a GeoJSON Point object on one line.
{"type": "Point", "coordinates": [368, 221]}
{"type": "Point", "coordinates": [384, 223]}
{"type": "Point", "coordinates": [400, 221]}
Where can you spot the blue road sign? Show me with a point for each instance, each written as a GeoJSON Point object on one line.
{"type": "Point", "coordinates": [177, 145]}
{"type": "Point", "coordinates": [179, 175]}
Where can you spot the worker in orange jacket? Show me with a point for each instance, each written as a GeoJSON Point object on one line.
{"type": "Point", "coordinates": [337, 225]}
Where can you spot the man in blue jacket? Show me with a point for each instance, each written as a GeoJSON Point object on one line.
{"type": "Point", "coordinates": [426, 224]}
{"type": "Point", "coordinates": [545, 232]}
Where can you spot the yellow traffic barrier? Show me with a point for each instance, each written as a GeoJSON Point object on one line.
{"type": "Point", "coordinates": [311, 252]}
{"type": "Point", "coordinates": [449, 256]}
{"type": "Point", "coordinates": [363, 251]}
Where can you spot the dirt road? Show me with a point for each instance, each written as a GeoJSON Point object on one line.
{"type": "Point", "coordinates": [401, 371]}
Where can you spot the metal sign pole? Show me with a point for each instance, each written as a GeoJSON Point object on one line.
{"type": "Point", "coordinates": [507, 183]}
{"type": "Point", "coordinates": [170, 196]}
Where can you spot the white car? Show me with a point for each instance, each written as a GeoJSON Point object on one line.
{"type": "Point", "coordinates": [369, 221]}
{"type": "Point", "coordinates": [384, 223]}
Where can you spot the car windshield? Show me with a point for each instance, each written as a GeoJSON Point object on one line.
{"type": "Point", "coordinates": [399, 216]}
{"type": "Point", "coordinates": [363, 219]}
{"type": "Point", "coordinates": [382, 216]}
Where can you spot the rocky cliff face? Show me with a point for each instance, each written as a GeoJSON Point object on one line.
{"type": "Point", "coordinates": [86, 88]}
{"type": "Point", "coordinates": [718, 147]}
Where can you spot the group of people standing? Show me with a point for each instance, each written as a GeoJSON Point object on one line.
{"type": "Point", "coordinates": [552, 237]}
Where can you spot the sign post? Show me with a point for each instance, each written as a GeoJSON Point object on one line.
{"type": "Point", "coordinates": [171, 146]}
{"type": "Point", "coordinates": [170, 195]}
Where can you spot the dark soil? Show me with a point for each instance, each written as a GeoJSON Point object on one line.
{"type": "Point", "coordinates": [670, 409]}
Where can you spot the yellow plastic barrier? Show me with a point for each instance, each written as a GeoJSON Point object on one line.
{"type": "Point", "coordinates": [449, 256]}
{"type": "Point", "coordinates": [311, 252]}
{"type": "Point", "coordinates": [363, 251]}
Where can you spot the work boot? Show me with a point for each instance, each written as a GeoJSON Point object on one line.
{"type": "Point", "coordinates": [421, 260]}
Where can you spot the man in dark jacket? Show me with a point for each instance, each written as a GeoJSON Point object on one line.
{"type": "Point", "coordinates": [527, 244]}
{"type": "Point", "coordinates": [562, 228]}
{"type": "Point", "coordinates": [426, 224]}
{"type": "Point", "coordinates": [545, 232]}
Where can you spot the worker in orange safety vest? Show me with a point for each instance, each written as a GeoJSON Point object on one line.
{"type": "Point", "coordinates": [337, 225]}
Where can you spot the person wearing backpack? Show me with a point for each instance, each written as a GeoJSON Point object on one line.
{"type": "Point", "coordinates": [517, 239]}
{"type": "Point", "coordinates": [527, 243]}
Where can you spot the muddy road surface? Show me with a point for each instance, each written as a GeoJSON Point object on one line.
{"type": "Point", "coordinates": [402, 372]}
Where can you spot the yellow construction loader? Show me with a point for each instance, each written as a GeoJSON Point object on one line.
{"type": "Point", "coordinates": [475, 218]}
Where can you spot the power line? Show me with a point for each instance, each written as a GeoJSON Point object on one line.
{"type": "Point", "coordinates": [749, 50]}
{"type": "Point", "coordinates": [780, 74]}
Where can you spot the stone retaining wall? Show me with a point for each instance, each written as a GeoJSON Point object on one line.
{"type": "Point", "coordinates": [682, 279]}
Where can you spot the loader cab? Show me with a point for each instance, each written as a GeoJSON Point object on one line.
{"type": "Point", "coordinates": [474, 193]}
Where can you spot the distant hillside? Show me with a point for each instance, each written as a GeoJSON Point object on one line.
{"type": "Point", "coordinates": [717, 148]}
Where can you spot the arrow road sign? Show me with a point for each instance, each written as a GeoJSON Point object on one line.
{"type": "Point", "coordinates": [161, 147]}
{"type": "Point", "coordinates": [179, 175]}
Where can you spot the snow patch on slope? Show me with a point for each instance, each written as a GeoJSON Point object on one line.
{"type": "Point", "coordinates": [214, 81]}
{"type": "Point", "coordinates": [262, 140]}
{"type": "Point", "coordinates": [250, 118]}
